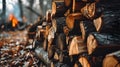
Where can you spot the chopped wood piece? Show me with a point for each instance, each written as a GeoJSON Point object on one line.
{"type": "Point", "coordinates": [86, 27]}
{"type": "Point", "coordinates": [70, 19]}
{"type": "Point", "coordinates": [77, 46]}
{"type": "Point", "coordinates": [101, 44]}
{"type": "Point", "coordinates": [58, 8]}
{"type": "Point", "coordinates": [112, 60]}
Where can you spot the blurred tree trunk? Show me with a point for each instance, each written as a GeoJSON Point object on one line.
{"type": "Point", "coordinates": [41, 6]}
{"type": "Point", "coordinates": [21, 9]}
{"type": "Point", "coordinates": [4, 9]}
{"type": "Point", "coordinates": [31, 2]}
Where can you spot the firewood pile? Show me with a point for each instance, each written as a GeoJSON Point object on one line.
{"type": "Point", "coordinates": [81, 33]}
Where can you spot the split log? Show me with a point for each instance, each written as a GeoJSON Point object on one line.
{"type": "Point", "coordinates": [70, 20]}
{"type": "Point", "coordinates": [108, 22]}
{"type": "Point", "coordinates": [90, 61]}
{"type": "Point", "coordinates": [86, 27]}
{"type": "Point", "coordinates": [101, 44]}
{"type": "Point", "coordinates": [92, 10]}
{"type": "Point", "coordinates": [58, 24]}
{"type": "Point", "coordinates": [58, 8]}
{"type": "Point", "coordinates": [112, 60]}
{"type": "Point", "coordinates": [77, 46]}
{"type": "Point", "coordinates": [51, 52]}
{"type": "Point", "coordinates": [42, 55]}
{"type": "Point", "coordinates": [98, 23]}
{"type": "Point", "coordinates": [61, 42]}
{"type": "Point", "coordinates": [45, 44]}
{"type": "Point", "coordinates": [84, 62]}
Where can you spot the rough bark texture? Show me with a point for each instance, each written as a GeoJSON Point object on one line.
{"type": "Point", "coordinates": [101, 44]}
{"type": "Point", "coordinates": [86, 27]}
{"type": "Point", "coordinates": [110, 22]}
{"type": "Point", "coordinates": [43, 55]}
{"type": "Point", "coordinates": [58, 24]}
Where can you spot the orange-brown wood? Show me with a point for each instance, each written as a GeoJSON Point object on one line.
{"type": "Point", "coordinates": [98, 23]}
{"type": "Point", "coordinates": [58, 8]}
{"type": "Point", "coordinates": [77, 46]}
{"type": "Point", "coordinates": [84, 62]}
{"type": "Point", "coordinates": [112, 60]}
{"type": "Point", "coordinates": [89, 10]}
{"type": "Point", "coordinates": [71, 18]}
{"type": "Point", "coordinates": [97, 47]}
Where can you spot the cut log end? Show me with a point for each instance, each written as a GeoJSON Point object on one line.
{"type": "Point", "coordinates": [77, 46]}
{"type": "Point", "coordinates": [84, 62]}
{"type": "Point", "coordinates": [71, 18]}
{"type": "Point", "coordinates": [112, 60]}
{"type": "Point", "coordinates": [91, 44]}
{"type": "Point", "coordinates": [98, 23]}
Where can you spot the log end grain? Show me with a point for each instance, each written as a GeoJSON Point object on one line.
{"type": "Point", "coordinates": [77, 46]}
{"type": "Point", "coordinates": [91, 44]}
{"type": "Point", "coordinates": [111, 61]}
{"type": "Point", "coordinates": [98, 23]}
{"type": "Point", "coordinates": [84, 62]}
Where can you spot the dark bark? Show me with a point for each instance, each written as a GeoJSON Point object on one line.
{"type": "Point", "coordinates": [59, 23]}
{"type": "Point", "coordinates": [4, 7]}
{"type": "Point", "coordinates": [43, 55]}
{"type": "Point", "coordinates": [3, 10]}
{"type": "Point", "coordinates": [58, 9]}
{"type": "Point", "coordinates": [100, 44]}
{"type": "Point", "coordinates": [61, 42]}
{"type": "Point", "coordinates": [86, 27]}
{"type": "Point", "coordinates": [107, 39]}
{"type": "Point", "coordinates": [21, 9]}
{"type": "Point", "coordinates": [110, 22]}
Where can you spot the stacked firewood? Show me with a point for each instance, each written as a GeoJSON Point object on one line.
{"type": "Point", "coordinates": [82, 33]}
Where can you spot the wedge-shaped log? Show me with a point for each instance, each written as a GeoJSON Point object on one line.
{"type": "Point", "coordinates": [101, 44]}
{"type": "Point", "coordinates": [86, 27]}
{"type": "Point", "coordinates": [112, 60]}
